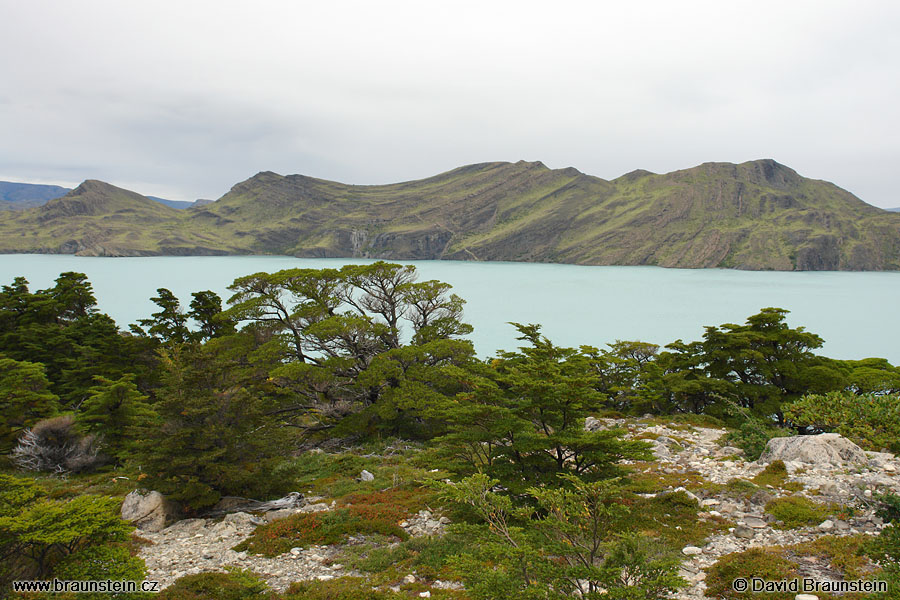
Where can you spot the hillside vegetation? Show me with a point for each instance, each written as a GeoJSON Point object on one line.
{"type": "Point", "coordinates": [755, 215]}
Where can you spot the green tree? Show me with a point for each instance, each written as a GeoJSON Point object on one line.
{"type": "Point", "coordinates": [220, 433]}
{"type": "Point", "coordinates": [329, 327]}
{"type": "Point", "coordinates": [118, 414]}
{"type": "Point", "coordinates": [565, 543]}
{"type": "Point", "coordinates": [530, 411]}
{"type": "Point", "coordinates": [169, 324]}
{"type": "Point", "coordinates": [25, 399]}
{"type": "Point", "coordinates": [206, 311]}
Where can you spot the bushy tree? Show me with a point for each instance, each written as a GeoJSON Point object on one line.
{"type": "Point", "coordinates": [25, 399]}
{"type": "Point", "coordinates": [564, 543]}
{"type": "Point", "coordinates": [870, 420]}
{"type": "Point", "coordinates": [61, 328]}
{"type": "Point", "coordinates": [118, 414]}
{"type": "Point", "coordinates": [342, 336]}
{"type": "Point", "coordinates": [219, 432]}
{"type": "Point", "coordinates": [523, 419]}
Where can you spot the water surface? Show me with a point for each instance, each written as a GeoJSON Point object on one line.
{"type": "Point", "coordinates": [856, 313]}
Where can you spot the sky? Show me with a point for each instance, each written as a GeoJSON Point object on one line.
{"type": "Point", "coordinates": [185, 99]}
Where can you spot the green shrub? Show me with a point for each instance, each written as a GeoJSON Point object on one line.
{"type": "Point", "coordinates": [344, 588]}
{"type": "Point", "coordinates": [752, 436]}
{"type": "Point", "coordinates": [764, 563]}
{"type": "Point", "coordinates": [797, 511]}
{"type": "Point", "coordinates": [233, 585]}
{"type": "Point", "coordinates": [888, 507]}
{"type": "Point", "coordinates": [870, 420]}
{"type": "Point", "coordinates": [378, 513]}
{"type": "Point", "coordinates": [885, 550]}
{"type": "Point", "coordinates": [96, 563]}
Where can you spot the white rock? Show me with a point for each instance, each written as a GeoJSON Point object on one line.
{"type": "Point", "coordinates": [824, 449]}
{"type": "Point", "coordinates": [148, 511]}
{"type": "Point", "coordinates": [806, 597]}
{"type": "Point", "coordinates": [366, 476]}
{"type": "Point", "coordinates": [691, 551]}
{"type": "Point", "coordinates": [425, 594]}
{"type": "Point", "coordinates": [826, 525]}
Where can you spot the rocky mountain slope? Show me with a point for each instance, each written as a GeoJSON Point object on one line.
{"type": "Point", "coordinates": [835, 476]}
{"type": "Point", "coordinates": [755, 215]}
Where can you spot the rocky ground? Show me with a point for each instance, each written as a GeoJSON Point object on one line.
{"type": "Point", "coordinates": [845, 478]}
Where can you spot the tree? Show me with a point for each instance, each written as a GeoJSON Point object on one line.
{"type": "Point", "coordinates": [206, 310]}
{"type": "Point", "coordinates": [118, 414]}
{"type": "Point", "coordinates": [25, 399]}
{"type": "Point", "coordinates": [329, 327]}
{"type": "Point", "coordinates": [764, 359]}
{"type": "Point", "coordinates": [566, 543]}
{"type": "Point", "coordinates": [220, 432]}
{"type": "Point", "coordinates": [169, 325]}
{"type": "Point", "coordinates": [530, 410]}
{"type": "Point", "coordinates": [61, 328]}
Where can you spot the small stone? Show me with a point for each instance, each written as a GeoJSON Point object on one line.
{"type": "Point", "coordinates": [409, 579]}
{"type": "Point", "coordinates": [366, 476]}
{"type": "Point", "coordinates": [691, 551]}
{"type": "Point", "coordinates": [826, 525]}
{"type": "Point", "coordinates": [744, 532]}
{"type": "Point", "coordinates": [325, 577]}
{"type": "Point", "coordinates": [890, 468]}
{"type": "Point", "coordinates": [755, 522]}
{"type": "Point", "coordinates": [425, 594]}
{"type": "Point", "coordinates": [296, 551]}
{"type": "Point", "coordinates": [867, 493]}
{"type": "Point", "coordinates": [806, 597]}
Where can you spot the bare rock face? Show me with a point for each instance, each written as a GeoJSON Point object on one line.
{"type": "Point", "coordinates": [825, 449]}
{"type": "Point", "coordinates": [148, 511]}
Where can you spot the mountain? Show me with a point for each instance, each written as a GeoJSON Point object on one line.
{"type": "Point", "coordinates": [754, 215]}
{"type": "Point", "coordinates": [893, 209]}
{"type": "Point", "coordinates": [99, 219]}
{"type": "Point", "coordinates": [19, 196]}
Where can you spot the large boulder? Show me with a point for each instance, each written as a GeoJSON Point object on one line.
{"type": "Point", "coordinates": [825, 449]}
{"type": "Point", "coordinates": [148, 511]}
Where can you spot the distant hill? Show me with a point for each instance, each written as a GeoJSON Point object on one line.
{"type": "Point", "coordinates": [893, 209]}
{"type": "Point", "coordinates": [754, 215]}
{"type": "Point", "coordinates": [19, 196]}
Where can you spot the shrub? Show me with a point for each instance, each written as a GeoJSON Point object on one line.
{"type": "Point", "coordinates": [796, 511]}
{"type": "Point", "coordinates": [56, 445]}
{"type": "Point", "coordinates": [870, 420]}
{"type": "Point", "coordinates": [323, 528]}
{"type": "Point", "coordinates": [345, 588]}
{"type": "Point", "coordinates": [97, 563]}
{"type": "Point", "coordinates": [764, 563]}
{"type": "Point", "coordinates": [885, 550]}
{"type": "Point", "coordinates": [888, 507]}
{"type": "Point", "coordinates": [233, 585]}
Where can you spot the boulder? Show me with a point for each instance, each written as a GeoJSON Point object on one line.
{"type": "Point", "coordinates": [148, 511]}
{"type": "Point", "coordinates": [825, 449]}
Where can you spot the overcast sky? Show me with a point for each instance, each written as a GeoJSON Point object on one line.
{"type": "Point", "coordinates": [184, 99]}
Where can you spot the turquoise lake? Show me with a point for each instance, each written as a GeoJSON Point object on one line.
{"type": "Point", "coordinates": [855, 313]}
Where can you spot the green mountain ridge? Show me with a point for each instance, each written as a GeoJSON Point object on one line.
{"type": "Point", "coordinates": [755, 215]}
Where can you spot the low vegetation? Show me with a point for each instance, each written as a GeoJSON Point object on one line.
{"type": "Point", "coordinates": [306, 380]}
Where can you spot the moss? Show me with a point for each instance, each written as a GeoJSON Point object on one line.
{"type": "Point", "coordinates": [797, 511]}
{"type": "Point", "coordinates": [776, 475]}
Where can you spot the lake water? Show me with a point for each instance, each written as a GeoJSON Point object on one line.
{"type": "Point", "coordinates": [855, 313]}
